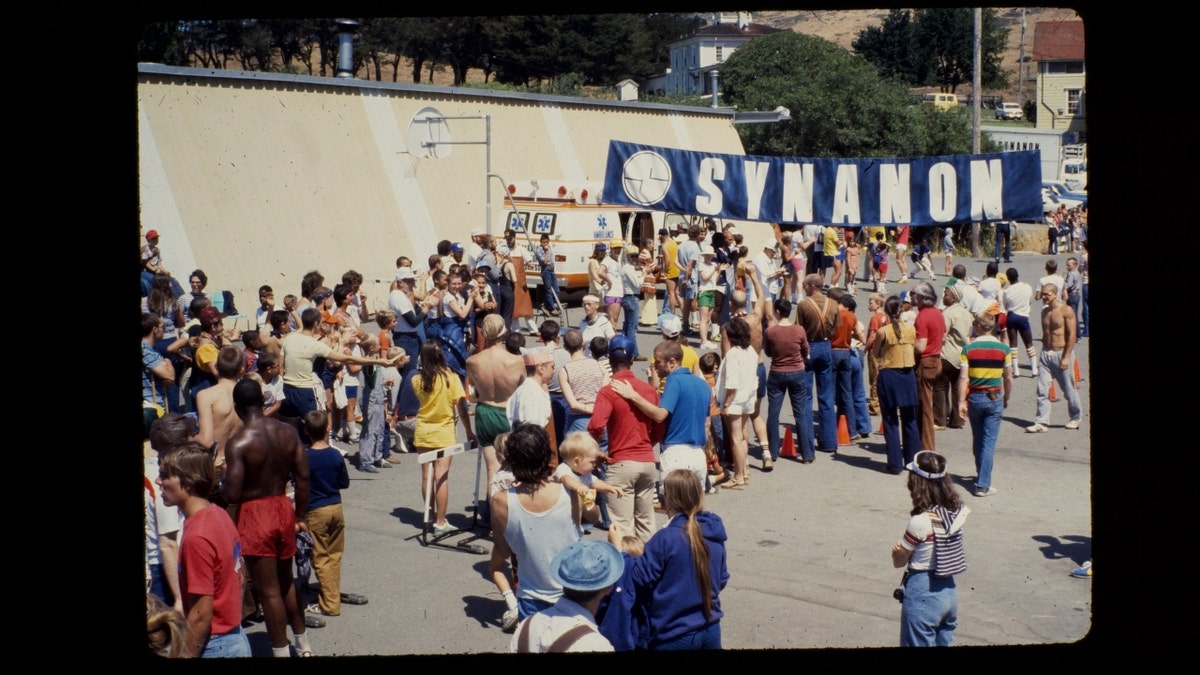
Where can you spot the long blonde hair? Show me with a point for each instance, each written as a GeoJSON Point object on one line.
{"type": "Point", "coordinates": [684, 495]}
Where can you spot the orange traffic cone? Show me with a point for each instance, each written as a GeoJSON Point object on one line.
{"type": "Point", "coordinates": [843, 431]}
{"type": "Point", "coordinates": [789, 444]}
{"type": "Point", "coordinates": [880, 432]}
{"type": "Point", "coordinates": [1053, 394]}
{"type": "Point", "coordinates": [1077, 377]}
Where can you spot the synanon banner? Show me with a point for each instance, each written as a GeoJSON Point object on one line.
{"type": "Point", "coordinates": [941, 190]}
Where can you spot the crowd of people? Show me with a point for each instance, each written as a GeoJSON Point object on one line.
{"type": "Point", "coordinates": [574, 434]}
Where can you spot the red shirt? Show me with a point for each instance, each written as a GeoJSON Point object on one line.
{"type": "Point", "coordinates": [210, 558]}
{"type": "Point", "coordinates": [845, 330]}
{"type": "Point", "coordinates": [631, 434]}
{"type": "Point", "coordinates": [930, 324]}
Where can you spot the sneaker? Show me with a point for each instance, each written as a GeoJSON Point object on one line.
{"type": "Point", "coordinates": [768, 465]}
{"type": "Point", "coordinates": [393, 458]}
{"type": "Point", "coordinates": [443, 530]}
{"type": "Point", "coordinates": [367, 468]}
{"type": "Point", "coordinates": [1084, 571]}
{"type": "Point", "coordinates": [1073, 424]}
{"type": "Point", "coordinates": [981, 492]}
{"type": "Point", "coordinates": [712, 490]}
{"type": "Point", "coordinates": [509, 622]}
{"type": "Point", "coordinates": [383, 464]}
{"type": "Point", "coordinates": [1036, 429]}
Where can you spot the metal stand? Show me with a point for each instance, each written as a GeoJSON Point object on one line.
{"type": "Point", "coordinates": [427, 527]}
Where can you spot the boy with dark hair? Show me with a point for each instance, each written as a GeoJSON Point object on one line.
{"type": "Point", "coordinates": [266, 305]}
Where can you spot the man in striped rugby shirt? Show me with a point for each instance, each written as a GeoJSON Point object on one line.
{"type": "Point", "coordinates": [984, 386]}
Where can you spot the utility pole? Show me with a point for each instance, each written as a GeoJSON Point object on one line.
{"type": "Point", "coordinates": [976, 79]}
{"type": "Point", "coordinates": [1021, 62]}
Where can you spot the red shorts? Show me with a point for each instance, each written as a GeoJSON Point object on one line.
{"type": "Point", "coordinates": [267, 527]}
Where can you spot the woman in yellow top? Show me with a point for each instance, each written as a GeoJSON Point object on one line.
{"type": "Point", "coordinates": [832, 246]}
{"type": "Point", "coordinates": [897, 386]}
{"type": "Point", "coordinates": [440, 396]}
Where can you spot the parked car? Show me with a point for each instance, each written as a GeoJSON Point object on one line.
{"type": "Point", "coordinates": [1051, 201]}
{"type": "Point", "coordinates": [1061, 191]}
{"type": "Point", "coordinates": [1009, 111]}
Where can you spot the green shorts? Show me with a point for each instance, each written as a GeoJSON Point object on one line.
{"type": "Point", "coordinates": [490, 422]}
{"type": "Point", "coordinates": [708, 298]}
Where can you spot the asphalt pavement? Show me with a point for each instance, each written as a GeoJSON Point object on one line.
{"type": "Point", "coordinates": [809, 545]}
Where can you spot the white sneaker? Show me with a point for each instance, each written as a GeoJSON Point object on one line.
{"type": "Point", "coordinates": [1036, 429]}
{"type": "Point", "coordinates": [1073, 424]}
{"type": "Point", "coordinates": [509, 622]}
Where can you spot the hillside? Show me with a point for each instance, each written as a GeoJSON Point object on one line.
{"type": "Point", "coordinates": [842, 27]}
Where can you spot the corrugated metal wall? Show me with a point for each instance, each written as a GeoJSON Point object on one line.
{"type": "Point", "coordinates": [258, 178]}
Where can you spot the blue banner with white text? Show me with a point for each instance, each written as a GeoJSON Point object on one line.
{"type": "Point", "coordinates": [939, 190]}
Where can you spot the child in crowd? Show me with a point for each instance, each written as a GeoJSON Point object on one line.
{"type": "Point", "coordinates": [714, 447]}
{"type": "Point", "coordinates": [599, 347]}
{"type": "Point", "coordinates": [290, 303]}
{"type": "Point", "coordinates": [948, 248]}
{"type": "Point", "coordinates": [253, 349]}
{"type": "Point", "coordinates": [579, 457]}
{"type": "Point", "coordinates": [878, 319]}
{"type": "Point", "coordinates": [266, 305]}
{"type": "Point", "coordinates": [879, 263]}
{"type": "Point", "coordinates": [380, 385]}
{"type": "Point", "coordinates": [386, 320]}
{"type": "Point", "coordinates": [620, 617]}
{"type": "Point", "coordinates": [921, 256]}
{"type": "Point", "coordinates": [503, 478]}
{"type": "Point", "coordinates": [352, 418]}
{"type": "Point", "coordinates": [269, 368]}
{"type": "Point", "coordinates": [326, 522]}
{"type": "Point", "coordinates": [853, 256]}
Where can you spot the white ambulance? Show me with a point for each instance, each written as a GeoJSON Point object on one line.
{"type": "Point", "coordinates": [576, 219]}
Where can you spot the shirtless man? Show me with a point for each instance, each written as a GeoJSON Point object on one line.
{"type": "Point", "coordinates": [214, 406]}
{"type": "Point", "coordinates": [261, 456]}
{"type": "Point", "coordinates": [495, 374]}
{"type": "Point", "coordinates": [754, 317]}
{"type": "Point", "coordinates": [1058, 341]}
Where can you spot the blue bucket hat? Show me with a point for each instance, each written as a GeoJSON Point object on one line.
{"type": "Point", "coordinates": [587, 566]}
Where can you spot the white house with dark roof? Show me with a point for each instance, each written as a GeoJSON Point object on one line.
{"type": "Point", "coordinates": [694, 58]}
{"type": "Point", "coordinates": [1058, 49]}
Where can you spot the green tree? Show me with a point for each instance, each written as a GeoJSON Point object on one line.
{"type": "Point", "coordinates": [936, 47]}
{"type": "Point", "coordinates": [840, 106]}
{"type": "Point", "coordinates": [890, 46]}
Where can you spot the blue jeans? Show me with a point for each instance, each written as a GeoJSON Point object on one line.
{"type": "Point", "coordinates": [631, 308]}
{"type": "Point", "coordinates": [929, 613]}
{"type": "Point", "coordinates": [862, 418]}
{"type": "Point", "coordinates": [708, 637]}
{"type": "Point", "coordinates": [1075, 302]}
{"type": "Point", "coordinates": [820, 369]}
{"type": "Point", "coordinates": [233, 644]}
{"type": "Point", "coordinates": [411, 344]}
{"type": "Point", "coordinates": [1083, 322]}
{"type": "Point", "coordinates": [795, 385]}
{"type": "Point", "coordinates": [984, 415]}
{"type": "Point", "coordinates": [842, 359]}
{"type": "Point", "coordinates": [550, 282]}
{"type": "Point", "coordinates": [1003, 232]}
{"type": "Point", "coordinates": [558, 406]}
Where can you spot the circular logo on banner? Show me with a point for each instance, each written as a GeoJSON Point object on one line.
{"type": "Point", "coordinates": [646, 177]}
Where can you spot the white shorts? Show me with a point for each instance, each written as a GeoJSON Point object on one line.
{"type": "Point", "coordinates": [681, 456]}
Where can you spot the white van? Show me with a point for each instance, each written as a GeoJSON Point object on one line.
{"type": "Point", "coordinates": [576, 219]}
{"type": "Point", "coordinates": [941, 101]}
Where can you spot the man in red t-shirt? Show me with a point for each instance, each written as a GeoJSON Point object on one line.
{"type": "Point", "coordinates": [631, 438]}
{"type": "Point", "coordinates": [210, 553]}
{"type": "Point", "coordinates": [931, 330]}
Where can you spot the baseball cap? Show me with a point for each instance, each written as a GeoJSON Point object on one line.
{"type": "Point", "coordinates": [152, 234]}
{"type": "Point", "coordinates": [456, 247]}
{"type": "Point", "coordinates": [662, 231]}
{"type": "Point", "coordinates": [621, 346]}
{"type": "Point", "coordinates": [587, 566]}
{"type": "Point", "coordinates": [669, 325]}
{"type": "Point", "coordinates": [707, 249]}
{"type": "Point", "coordinates": [631, 251]}
{"type": "Point", "coordinates": [210, 315]}
{"type": "Point", "coordinates": [493, 327]}
{"type": "Point", "coordinates": [616, 243]}
{"type": "Point", "coordinates": [405, 273]}
{"type": "Point", "coordinates": [601, 246]}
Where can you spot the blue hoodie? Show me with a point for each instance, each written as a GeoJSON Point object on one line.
{"type": "Point", "coordinates": [664, 578]}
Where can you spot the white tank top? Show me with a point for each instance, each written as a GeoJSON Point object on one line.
{"type": "Point", "coordinates": [535, 538]}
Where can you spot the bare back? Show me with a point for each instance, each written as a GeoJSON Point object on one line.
{"type": "Point", "coordinates": [218, 421]}
{"type": "Point", "coordinates": [262, 456]}
{"type": "Point", "coordinates": [495, 374]}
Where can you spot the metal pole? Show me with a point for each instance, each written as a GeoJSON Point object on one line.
{"type": "Point", "coordinates": [976, 79]}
